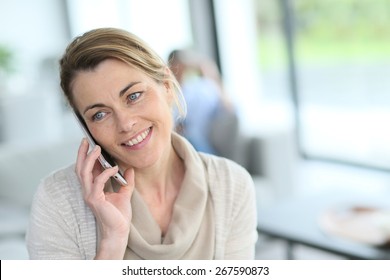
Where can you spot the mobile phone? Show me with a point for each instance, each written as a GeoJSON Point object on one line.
{"type": "Point", "coordinates": [105, 159]}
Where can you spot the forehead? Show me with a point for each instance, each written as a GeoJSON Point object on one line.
{"type": "Point", "coordinates": [109, 74]}
{"type": "Point", "coordinates": [109, 78]}
{"type": "Point", "coordinates": [110, 68]}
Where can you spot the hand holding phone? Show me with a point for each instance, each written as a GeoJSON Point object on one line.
{"type": "Point", "coordinates": [104, 156]}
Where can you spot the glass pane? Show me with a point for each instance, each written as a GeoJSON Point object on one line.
{"type": "Point", "coordinates": [272, 51]}
{"type": "Point", "coordinates": [343, 66]}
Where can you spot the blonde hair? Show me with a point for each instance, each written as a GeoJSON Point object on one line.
{"type": "Point", "coordinates": [93, 47]}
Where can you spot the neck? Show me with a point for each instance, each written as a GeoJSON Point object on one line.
{"type": "Point", "coordinates": [161, 179]}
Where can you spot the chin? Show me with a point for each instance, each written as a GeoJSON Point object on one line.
{"type": "Point", "coordinates": [140, 162]}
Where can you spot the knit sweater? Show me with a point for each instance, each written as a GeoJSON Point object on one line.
{"type": "Point", "coordinates": [63, 227]}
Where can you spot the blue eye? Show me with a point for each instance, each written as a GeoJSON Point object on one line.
{"type": "Point", "coordinates": [98, 116]}
{"type": "Point", "coordinates": [133, 96]}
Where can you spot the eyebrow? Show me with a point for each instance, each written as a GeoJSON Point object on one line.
{"type": "Point", "coordinates": [121, 93]}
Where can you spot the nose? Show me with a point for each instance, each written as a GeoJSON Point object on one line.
{"type": "Point", "coordinates": [125, 121]}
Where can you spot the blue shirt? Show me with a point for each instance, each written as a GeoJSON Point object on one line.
{"type": "Point", "coordinates": [202, 97]}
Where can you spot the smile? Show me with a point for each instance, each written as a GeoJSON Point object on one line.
{"type": "Point", "coordinates": [136, 140]}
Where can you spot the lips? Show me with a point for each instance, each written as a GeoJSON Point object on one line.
{"type": "Point", "coordinates": [138, 139]}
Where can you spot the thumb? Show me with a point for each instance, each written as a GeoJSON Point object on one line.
{"type": "Point", "coordinates": [129, 177]}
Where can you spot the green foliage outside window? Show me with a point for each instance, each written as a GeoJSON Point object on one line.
{"type": "Point", "coordinates": [327, 31]}
{"type": "Point", "coordinates": [6, 59]}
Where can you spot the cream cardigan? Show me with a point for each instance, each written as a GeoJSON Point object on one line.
{"type": "Point", "coordinates": [63, 227]}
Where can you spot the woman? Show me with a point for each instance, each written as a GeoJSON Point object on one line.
{"type": "Point", "coordinates": [177, 204]}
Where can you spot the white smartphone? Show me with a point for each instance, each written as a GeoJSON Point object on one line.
{"type": "Point", "coordinates": [104, 158]}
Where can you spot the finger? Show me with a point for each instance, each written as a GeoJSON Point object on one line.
{"type": "Point", "coordinates": [97, 169]}
{"type": "Point", "coordinates": [100, 180]}
{"type": "Point", "coordinates": [103, 177]}
{"type": "Point", "coordinates": [86, 170]}
{"type": "Point", "coordinates": [81, 155]}
{"type": "Point", "coordinates": [130, 179]}
{"type": "Point", "coordinates": [90, 161]}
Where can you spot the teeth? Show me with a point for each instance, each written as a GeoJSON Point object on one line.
{"type": "Point", "coordinates": [138, 139]}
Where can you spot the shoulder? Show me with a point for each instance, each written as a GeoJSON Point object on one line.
{"type": "Point", "coordinates": [59, 192]}
{"type": "Point", "coordinates": [225, 169]}
{"type": "Point", "coordinates": [228, 181]}
{"type": "Point", "coordinates": [60, 182]}
{"type": "Point", "coordinates": [61, 224]}
{"type": "Point", "coordinates": [232, 192]}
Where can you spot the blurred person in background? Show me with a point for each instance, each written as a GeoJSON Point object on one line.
{"type": "Point", "coordinates": [205, 96]}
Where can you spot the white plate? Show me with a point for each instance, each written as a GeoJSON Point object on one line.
{"type": "Point", "coordinates": [359, 223]}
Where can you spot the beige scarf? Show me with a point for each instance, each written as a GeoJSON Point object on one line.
{"type": "Point", "coordinates": [191, 233]}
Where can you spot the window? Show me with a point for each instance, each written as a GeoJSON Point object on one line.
{"type": "Point", "coordinates": [342, 64]}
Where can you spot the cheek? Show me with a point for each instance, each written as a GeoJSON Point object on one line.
{"type": "Point", "coordinates": [102, 134]}
{"type": "Point", "coordinates": [160, 108]}
{"type": "Point", "coordinates": [166, 115]}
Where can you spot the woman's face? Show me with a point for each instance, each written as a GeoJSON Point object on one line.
{"type": "Point", "coordinates": [127, 112]}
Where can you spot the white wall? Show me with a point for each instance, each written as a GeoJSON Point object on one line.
{"type": "Point", "coordinates": [164, 25]}
{"type": "Point", "coordinates": [34, 29]}
{"type": "Point", "coordinates": [30, 107]}
{"type": "Point", "coordinates": [236, 27]}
